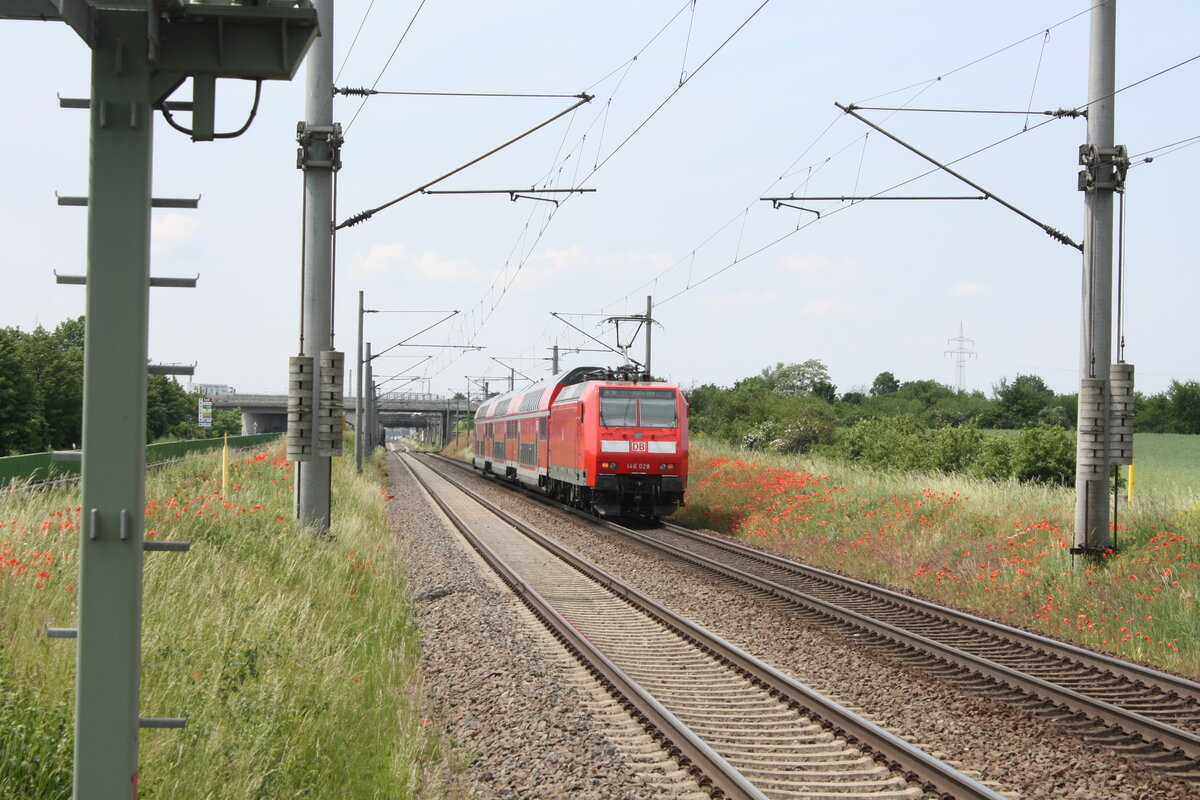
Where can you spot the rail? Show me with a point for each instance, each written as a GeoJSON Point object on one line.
{"type": "Point", "coordinates": [1165, 745]}
{"type": "Point", "coordinates": [900, 755]}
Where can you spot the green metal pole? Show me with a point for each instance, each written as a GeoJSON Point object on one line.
{"type": "Point", "coordinates": [114, 411]}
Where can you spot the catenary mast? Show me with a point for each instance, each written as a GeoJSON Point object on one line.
{"type": "Point", "coordinates": [1102, 176]}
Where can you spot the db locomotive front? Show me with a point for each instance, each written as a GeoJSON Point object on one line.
{"type": "Point", "coordinates": [590, 438]}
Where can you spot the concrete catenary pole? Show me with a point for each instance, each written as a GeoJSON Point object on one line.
{"type": "Point", "coordinates": [316, 324]}
{"type": "Point", "coordinates": [358, 392]}
{"type": "Point", "coordinates": [1092, 534]}
{"type": "Point", "coordinates": [649, 327]}
{"type": "Point", "coordinates": [369, 415]}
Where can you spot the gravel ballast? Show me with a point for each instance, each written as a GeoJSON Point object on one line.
{"type": "Point", "coordinates": [527, 721]}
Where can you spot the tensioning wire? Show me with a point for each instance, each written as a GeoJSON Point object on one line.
{"type": "Point", "coordinates": [1036, 73]}
{"type": "Point", "coordinates": [386, 64]}
{"type": "Point", "coordinates": [366, 14]}
{"type": "Point", "coordinates": [981, 59]}
{"type": "Point", "coordinates": [595, 169]}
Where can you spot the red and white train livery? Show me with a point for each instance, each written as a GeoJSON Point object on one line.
{"type": "Point", "coordinates": [590, 439]}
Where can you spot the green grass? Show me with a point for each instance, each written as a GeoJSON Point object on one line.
{"type": "Point", "coordinates": [460, 446]}
{"type": "Point", "coordinates": [1000, 549]}
{"type": "Point", "coordinates": [1167, 464]}
{"type": "Point", "coordinates": [293, 656]}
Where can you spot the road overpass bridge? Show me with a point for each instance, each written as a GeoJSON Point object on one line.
{"type": "Point", "coordinates": [436, 414]}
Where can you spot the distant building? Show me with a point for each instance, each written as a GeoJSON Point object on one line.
{"type": "Point", "coordinates": [210, 389]}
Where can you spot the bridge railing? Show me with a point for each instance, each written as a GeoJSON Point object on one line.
{"type": "Point", "coordinates": [431, 402]}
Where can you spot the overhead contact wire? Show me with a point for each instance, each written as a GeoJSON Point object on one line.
{"type": "Point", "coordinates": [627, 64]}
{"type": "Point", "coordinates": [981, 59]}
{"type": "Point", "coordinates": [678, 88]}
{"type": "Point", "coordinates": [925, 85]}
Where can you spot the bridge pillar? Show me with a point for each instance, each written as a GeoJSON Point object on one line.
{"type": "Point", "coordinates": [263, 422]}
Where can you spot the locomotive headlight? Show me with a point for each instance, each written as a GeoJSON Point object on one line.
{"type": "Point", "coordinates": [664, 466]}
{"type": "Point", "coordinates": [608, 465]}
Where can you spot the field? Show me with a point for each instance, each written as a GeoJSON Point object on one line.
{"type": "Point", "coordinates": [1167, 464]}
{"type": "Point", "coordinates": [291, 655]}
{"type": "Point", "coordinates": [998, 549]}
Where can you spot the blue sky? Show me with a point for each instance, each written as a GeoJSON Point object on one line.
{"type": "Point", "coordinates": [866, 288]}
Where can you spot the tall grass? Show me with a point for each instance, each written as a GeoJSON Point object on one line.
{"type": "Point", "coordinates": [1001, 549]}
{"type": "Point", "coordinates": [292, 655]}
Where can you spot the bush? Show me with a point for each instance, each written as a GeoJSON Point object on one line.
{"type": "Point", "coordinates": [885, 443]}
{"type": "Point", "coordinates": [1044, 455]}
{"type": "Point", "coordinates": [760, 436]}
{"type": "Point", "coordinates": [955, 449]}
{"type": "Point", "coordinates": [813, 425]}
{"type": "Point", "coordinates": [994, 459]}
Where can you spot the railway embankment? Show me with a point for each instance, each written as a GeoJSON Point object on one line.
{"type": "Point", "coordinates": [998, 549]}
{"type": "Point", "coordinates": [292, 656]}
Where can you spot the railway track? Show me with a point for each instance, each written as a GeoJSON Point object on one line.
{"type": "Point", "coordinates": [1146, 715]}
{"type": "Point", "coordinates": [744, 729]}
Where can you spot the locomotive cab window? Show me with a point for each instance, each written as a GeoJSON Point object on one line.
{"type": "Point", "coordinates": [638, 408]}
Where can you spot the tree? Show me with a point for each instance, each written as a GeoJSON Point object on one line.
{"type": "Point", "coordinates": [20, 431]}
{"type": "Point", "coordinates": [1184, 399]}
{"type": "Point", "coordinates": [54, 362]}
{"type": "Point", "coordinates": [885, 383]}
{"type": "Point", "coordinates": [1152, 414]}
{"type": "Point", "coordinates": [825, 391]}
{"type": "Point", "coordinates": [167, 405]}
{"type": "Point", "coordinates": [226, 421]}
{"type": "Point", "coordinates": [794, 379]}
{"type": "Point", "coordinates": [70, 333]}
{"type": "Point", "coordinates": [1023, 400]}
{"type": "Point", "coordinates": [927, 393]}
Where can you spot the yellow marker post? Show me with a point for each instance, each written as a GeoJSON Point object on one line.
{"type": "Point", "coordinates": [225, 467]}
{"type": "Point", "coordinates": [1132, 474]}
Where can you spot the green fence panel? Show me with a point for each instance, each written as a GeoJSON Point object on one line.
{"type": "Point", "coordinates": [166, 451]}
{"type": "Point", "coordinates": [36, 467]}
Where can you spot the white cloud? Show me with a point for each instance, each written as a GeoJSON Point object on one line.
{"type": "Point", "coordinates": [828, 307]}
{"type": "Point", "coordinates": [562, 259]}
{"type": "Point", "coordinates": [821, 268]}
{"type": "Point", "coordinates": [551, 265]}
{"type": "Point", "coordinates": [429, 266]}
{"type": "Point", "coordinates": [970, 289]}
{"type": "Point", "coordinates": [651, 263]}
{"type": "Point", "coordinates": [169, 231]}
{"type": "Point", "coordinates": [738, 300]}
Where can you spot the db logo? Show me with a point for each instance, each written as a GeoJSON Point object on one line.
{"type": "Point", "coordinates": [638, 447]}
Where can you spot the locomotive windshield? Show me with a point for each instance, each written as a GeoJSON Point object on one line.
{"type": "Point", "coordinates": [638, 408]}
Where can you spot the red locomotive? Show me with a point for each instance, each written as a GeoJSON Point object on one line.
{"type": "Point", "coordinates": [592, 439]}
